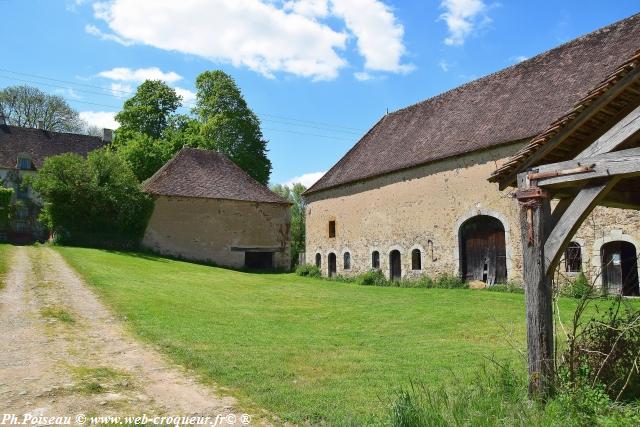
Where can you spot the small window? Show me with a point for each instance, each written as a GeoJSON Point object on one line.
{"type": "Point", "coordinates": [416, 259]}
{"type": "Point", "coordinates": [573, 258]}
{"type": "Point", "coordinates": [24, 163]}
{"type": "Point", "coordinates": [332, 229]}
{"type": "Point", "coordinates": [318, 260]}
{"type": "Point", "coordinates": [375, 259]}
{"type": "Point", "coordinates": [347, 261]}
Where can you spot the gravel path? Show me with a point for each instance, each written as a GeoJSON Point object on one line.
{"type": "Point", "coordinates": [64, 353]}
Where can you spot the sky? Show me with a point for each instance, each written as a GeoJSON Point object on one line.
{"type": "Point", "coordinates": [318, 73]}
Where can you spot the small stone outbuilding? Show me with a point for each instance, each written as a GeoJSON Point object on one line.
{"type": "Point", "coordinates": [208, 209]}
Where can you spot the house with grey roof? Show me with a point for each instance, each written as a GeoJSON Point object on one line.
{"type": "Point", "coordinates": [22, 152]}
{"type": "Point", "coordinates": [209, 209]}
{"type": "Point", "coordinates": [412, 196]}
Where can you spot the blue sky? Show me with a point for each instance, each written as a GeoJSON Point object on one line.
{"type": "Point", "coordinates": [319, 73]}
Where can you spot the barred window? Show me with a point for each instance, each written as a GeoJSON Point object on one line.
{"type": "Point", "coordinates": [573, 258]}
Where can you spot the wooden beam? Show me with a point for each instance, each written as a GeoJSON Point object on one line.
{"type": "Point", "coordinates": [624, 163]}
{"type": "Point", "coordinates": [615, 136]}
{"type": "Point", "coordinates": [585, 115]}
{"type": "Point", "coordinates": [535, 218]}
{"type": "Point", "coordinates": [571, 219]}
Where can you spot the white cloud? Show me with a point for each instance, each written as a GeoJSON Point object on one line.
{"type": "Point", "coordinates": [121, 90]}
{"type": "Point", "coordinates": [187, 96]}
{"type": "Point", "coordinates": [95, 31]}
{"type": "Point", "coordinates": [362, 76]}
{"type": "Point", "coordinates": [462, 18]}
{"type": "Point", "coordinates": [444, 65]}
{"type": "Point", "coordinates": [139, 75]}
{"type": "Point", "coordinates": [265, 36]}
{"type": "Point", "coordinates": [308, 8]}
{"type": "Point", "coordinates": [100, 119]}
{"type": "Point", "coordinates": [378, 33]}
{"type": "Point", "coordinates": [307, 179]}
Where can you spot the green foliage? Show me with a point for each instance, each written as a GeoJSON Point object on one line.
{"type": "Point", "coordinates": [148, 112]}
{"type": "Point", "coordinates": [143, 154]}
{"type": "Point", "coordinates": [450, 281]}
{"type": "Point", "coordinates": [498, 396]}
{"type": "Point", "coordinates": [96, 201]}
{"type": "Point", "coordinates": [27, 105]}
{"type": "Point", "coordinates": [294, 195]}
{"type": "Point", "coordinates": [605, 352]}
{"type": "Point", "coordinates": [308, 270]}
{"type": "Point", "coordinates": [374, 277]}
{"type": "Point", "coordinates": [509, 287]}
{"type": "Point", "coordinates": [6, 195]}
{"type": "Point", "coordinates": [229, 125]}
{"type": "Point", "coordinates": [579, 287]}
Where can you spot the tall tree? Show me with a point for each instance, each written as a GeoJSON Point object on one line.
{"type": "Point", "coordinates": [26, 106]}
{"type": "Point", "coordinates": [229, 125]}
{"type": "Point", "coordinates": [294, 195]}
{"type": "Point", "coordinates": [149, 111]}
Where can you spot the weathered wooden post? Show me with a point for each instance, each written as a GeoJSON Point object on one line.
{"type": "Point", "coordinates": [535, 223]}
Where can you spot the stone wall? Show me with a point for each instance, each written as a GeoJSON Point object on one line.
{"type": "Point", "coordinates": [424, 208]}
{"type": "Point", "coordinates": [214, 230]}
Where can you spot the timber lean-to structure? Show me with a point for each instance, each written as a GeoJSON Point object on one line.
{"type": "Point", "coordinates": [589, 157]}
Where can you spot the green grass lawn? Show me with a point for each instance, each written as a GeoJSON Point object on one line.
{"type": "Point", "coordinates": [5, 254]}
{"type": "Point", "coordinates": [306, 349]}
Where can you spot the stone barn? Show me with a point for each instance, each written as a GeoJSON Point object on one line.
{"type": "Point", "coordinates": [208, 209]}
{"type": "Point", "coordinates": [412, 196]}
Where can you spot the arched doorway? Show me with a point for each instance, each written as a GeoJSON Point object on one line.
{"type": "Point", "coordinates": [620, 268]}
{"type": "Point", "coordinates": [395, 265]}
{"type": "Point", "coordinates": [483, 253]}
{"type": "Point", "coordinates": [332, 265]}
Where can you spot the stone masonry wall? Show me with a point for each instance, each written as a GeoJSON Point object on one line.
{"type": "Point", "coordinates": [208, 229]}
{"type": "Point", "coordinates": [424, 207]}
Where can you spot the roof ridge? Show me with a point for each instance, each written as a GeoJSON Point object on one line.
{"type": "Point", "coordinates": [579, 39]}
{"type": "Point", "coordinates": [29, 129]}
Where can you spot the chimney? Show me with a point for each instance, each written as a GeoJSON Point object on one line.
{"type": "Point", "coordinates": [107, 136]}
{"type": "Point", "coordinates": [40, 124]}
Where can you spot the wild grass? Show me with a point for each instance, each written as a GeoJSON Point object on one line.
{"type": "Point", "coordinates": [95, 380]}
{"type": "Point", "coordinates": [308, 350]}
{"type": "Point", "coordinates": [5, 254]}
{"type": "Point", "coordinates": [57, 312]}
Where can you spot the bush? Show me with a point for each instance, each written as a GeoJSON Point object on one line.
{"type": "Point", "coordinates": [92, 202]}
{"type": "Point", "coordinates": [373, 277]}
{"type": "Point", "coordinates": [308, 270]}
{"type": "Point", "coordinates": [578, 287]}
{"type": "Point", "coordinates": [450, 281]}
{"type": "Point", "coordinates": [497, 395]}
{"type": "Point", "coordinates": [605, 352]}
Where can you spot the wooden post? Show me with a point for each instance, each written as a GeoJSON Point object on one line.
{"type": "Point", "coordinates": [535, 222]}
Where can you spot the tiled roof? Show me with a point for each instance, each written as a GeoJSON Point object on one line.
{"type": "Point", "coordinates": [207, 174]}
{"type": "Point", "coordinates": [40, 144]}
{"type": "Point", "coordinates": [510, 105]}
{"type": "Point", "coordinates": [628, 98]}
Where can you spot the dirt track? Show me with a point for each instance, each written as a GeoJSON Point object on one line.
{"type": "Point", "coordinates": [64, 353]}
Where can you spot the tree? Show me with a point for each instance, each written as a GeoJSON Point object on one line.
{"type": "Point", "coordinates": [228, 124]}
{"type": "Point", "coordinates": [294, 195]}
{"type": "Point", "coordinates": [149, 111]}
{"type": "Point", "coordinates": [26, 106]}
{"type": "Point", "coordinates": [96, 201]}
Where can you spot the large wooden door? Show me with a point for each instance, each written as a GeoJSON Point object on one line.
{"type": "Point", "coordinates": [483, 254]}
{"type": "Point", "coordinates": [619, 268]}
{"type": "Point", "coordinates": [333, 268]}
{"type": "Point", "coordinates": [395, 265]}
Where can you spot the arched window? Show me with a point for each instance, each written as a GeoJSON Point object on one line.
{"type": "Point", "coordinates": [375, 259]}
{"type": "Point", "coordinates": [347, 261]}
{"type": "Point", "coordinates": [416, 259]}
{"type": "Point", "coordinates": [318, 260]}
{"type": "Point", "coordinates": [573, 258]}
